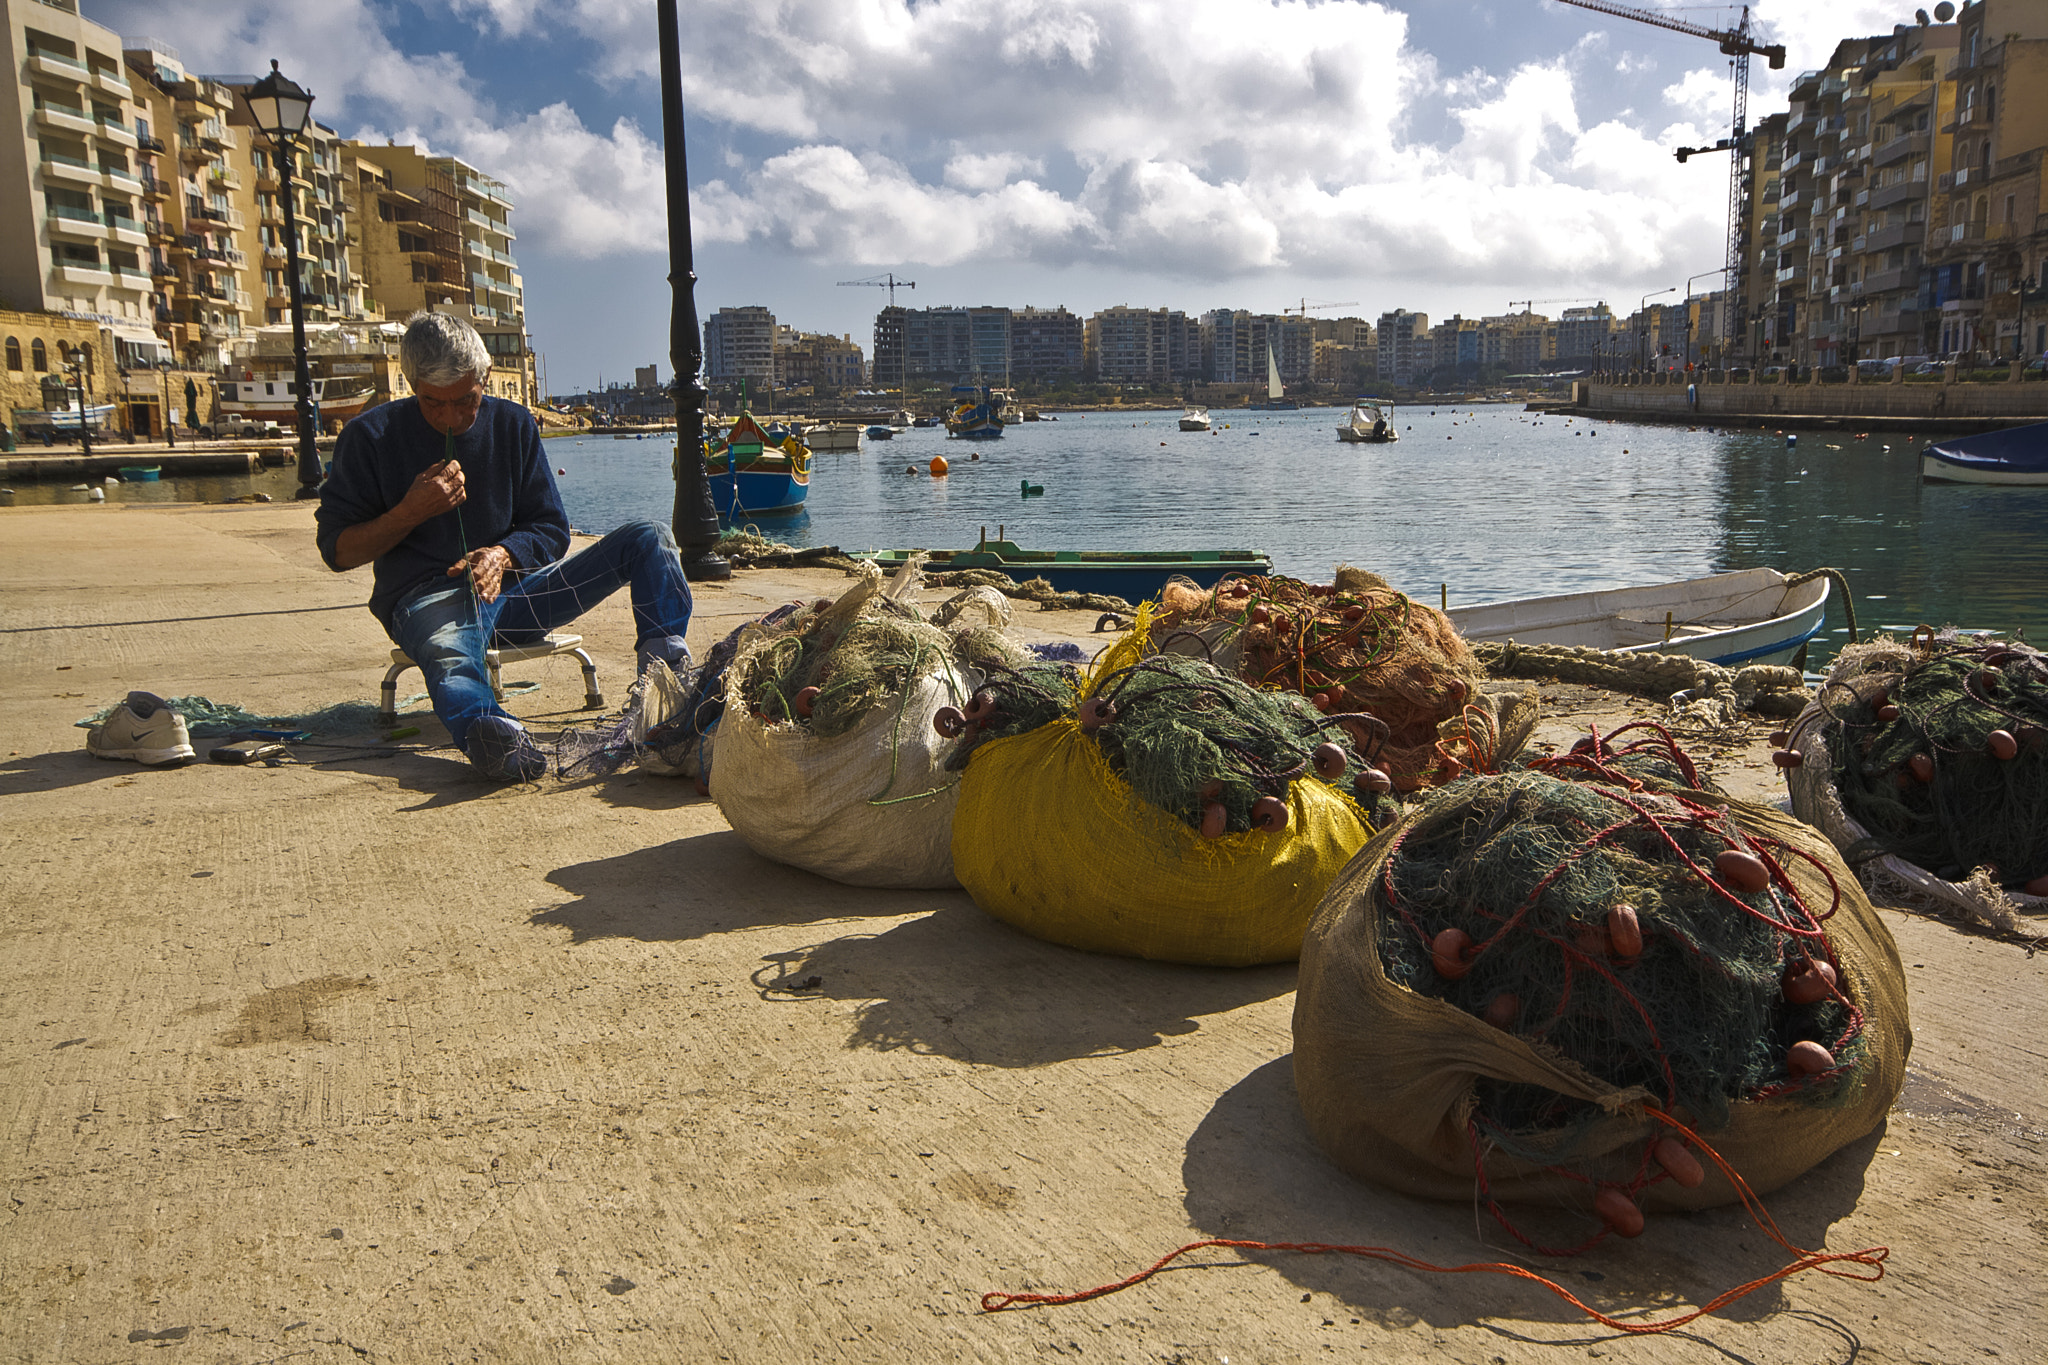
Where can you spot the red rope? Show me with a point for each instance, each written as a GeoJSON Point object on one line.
{"type": "Point", "coordinates": [1827, 1262]}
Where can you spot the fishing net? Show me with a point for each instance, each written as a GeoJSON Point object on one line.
{"type": "Point", "coordinates": [207, 718]}
{"type": "Point", "coordinates": [1156, 807]}
{"type": "Point", "coordinates": [827, 758]}
{"type": "Point", "coordinates": [1357, 646]}
{"type": "Point", "coordinates": [1496, 992]}
{"type": "Point", "coordinates": [1935, 784]}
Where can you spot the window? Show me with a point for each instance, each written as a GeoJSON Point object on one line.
{"type": "Point", "coordinates": [14, 353]}
{"type": "Point", "coordinates": [39, 355]}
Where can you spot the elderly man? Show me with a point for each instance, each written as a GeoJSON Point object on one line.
{"type": "Point", "coordinates": [449, 495]}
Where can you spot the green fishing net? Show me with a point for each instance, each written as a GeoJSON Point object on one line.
{"type": "Point", "coordinates": [1915, 752]}
{"type": "Point", "coordinates": [1528, 865]}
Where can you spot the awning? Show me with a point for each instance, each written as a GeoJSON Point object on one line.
{"type": "Point", "coordinates": [136, 333]}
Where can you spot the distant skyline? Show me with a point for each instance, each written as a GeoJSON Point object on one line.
{"type": "Point", "coordinates": [1442, 157]}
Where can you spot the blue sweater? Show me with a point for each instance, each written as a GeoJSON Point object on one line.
{"type": "Point", "coordinates": [512, 498]}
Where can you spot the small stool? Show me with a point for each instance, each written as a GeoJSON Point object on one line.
{"type": "Point", "coordinates": [496, 659]}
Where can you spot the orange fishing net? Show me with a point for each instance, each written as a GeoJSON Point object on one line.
{"type": "Point", "coordinates": [1356, 645]}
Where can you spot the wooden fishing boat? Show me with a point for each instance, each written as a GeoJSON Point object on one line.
{"type": "Point", "coordinates": [881, 432]}
{"type": "Point", "coordinates": [1756, 616]}
{"type": "Point", "coordinates": [974, 414]}
{"type": "Point", "coordinates": [833, 437]}
{"type": "Point", "coordinates": [2017, 457]}
{"type": "Point", "coordinates": [752, 476]}
{"type": "Point", "coordinates": [1133, 575]}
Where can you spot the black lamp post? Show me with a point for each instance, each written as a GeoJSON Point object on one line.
{"type": "Point", "coordinates": [2021, 292]}
{"type": "Point", "coordinates": [694, 519]}
{"type": "Point", "coordinates": [77, 367]}
{"type": "Point", "coordinates": [281, 108]}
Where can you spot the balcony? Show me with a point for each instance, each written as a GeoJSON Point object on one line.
{"type": "Point", "coordinates": [224, 178]}
{"type": "Point", "coordinates": [145, 142]}
{"type": "Point", "coordinates": [1789, 200]}
{"type": "Point", "coordinates": [65, 118]}
{"type": "Point", "coordinates": [1898, 234]}
{"type": "Point", "coordinates": [78, 223]}
{"type": "Point", "coordinates": [110, 128]}
{"type": "Point", "coordinates": [1966, 232]}
{"type": "Point", "coordinates": [1790, 273]}
{"type": "Point", "coordinates": [1965, 116]}
{"type": "Point", "coordinates": [127, 230]}
{"type": "Point", "coordinates": [162, 269]}
{"type": "Point", "coordinates": [1905, 192]}
{"type": "Point", "coordinates": [1886, 281]}
{"type": "Point", "coordinates": [120, 178]}
{"type": "Point", "coordinates": [44, 63]}
{"type": "Point", "coordinates": [1899, 149]}
{"type": "Point", "coordinates": [93, 276]}
{"type": "Point", "coordinates": [153, 188]}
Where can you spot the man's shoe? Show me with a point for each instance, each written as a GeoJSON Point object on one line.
{"type": "Point", "coordinates": [504, 752]}
{"type": "Point", "coordinates": [143, 729]}
{"type": "Point", "coordinates": [671, 651]}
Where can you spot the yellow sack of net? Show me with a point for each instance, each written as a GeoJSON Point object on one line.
{"type": "Point", "coordinates": [1048, 837]}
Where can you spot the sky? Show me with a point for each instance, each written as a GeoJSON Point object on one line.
{"type": "Point", "coordinates": [1443, 156]}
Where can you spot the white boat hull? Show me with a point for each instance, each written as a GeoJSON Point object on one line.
{"type": "Point", "coordinates": [835, 438]}
{"type": "Point", "coordinates": [1353, 437]}
{"type": "Point", "coordinates": [1756, 616]}
{"type": "Point", "coordinates": [1194, 424]}
{"type": "Point", "coordinates": [1933, 470]}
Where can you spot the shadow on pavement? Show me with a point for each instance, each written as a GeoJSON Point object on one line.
{"type": "Point", "coordinates": [1252, 1171]}
{"type": "Point", "coordinates": [960, 984]}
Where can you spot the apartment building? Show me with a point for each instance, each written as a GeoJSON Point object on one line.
{"type": "Point", "coordinates": [1989, 259]}
{"type": "Point", "coordinates": [890, 367]}
{"type": "Point", "coordinates": [817, 359]}
{"type": "Point", "coordinates": [1126, 345]}
{"type": "Point", "coordinates": [331, 284]}
{"type": "Point", "coordinates": [739, 343]}
{"type": "Point", "coordinates": [1403, 343]}
{"type": "Point", "coordinates": [1046, 344]}
{"type": "Point", "coordinates": [1759, 322]}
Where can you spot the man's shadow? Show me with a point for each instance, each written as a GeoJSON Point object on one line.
{"type": "Point", "coordinates": [1252, 1171]}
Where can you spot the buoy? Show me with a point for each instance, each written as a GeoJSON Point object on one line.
{"type": "Point", "coordinates": [1887, 713]}
{"type": "Point", "coordinates": [1095, 713]}
{"type": "Point", "coordinates": [1742, 870]}
{"type": "Point", "coordinates": [806, 700]}
{"type": "Point", "coordinates": [1032, 490]}
{"type": "Point", "coordinates": [1450, 952]}
{"type": "Point", "coordinates": [1788, 758]}
{"type": "Point", "coordinates": [2002, 745]}
{"type": "Point", "coordinates": [1375, 780]}
{"type": "Point", "coordinates": [1269, 813]}
{"type": "Point", "coordinates": [981, 705]}
{"type": "Point", "coordinates": [1330, 762]}
{"type": "Point", "coordinates": [1809, 982]}
{"type": "Point", "coordinates": [975, 456]}
{"type": "Point", "coordinates": [1625, 931]}
{"type": "Point", "coordinates": [1808, 1059]}
{"type": "Point", "coordinates": [96, 495]}
{"type": "Point", "coordinates": [949, 721]}
{"type": "Point", "coordinates": [1213, 820]}
{"type": "Point", "coordinates": [1623, 1216]}
{"type": "Point", "coordinates": [938, 466]}
{"type": "Point", "coordinates": [910, 469]}
{"type": "Point", "coordinates": [1678, 1162]}
{"type": "Point", "coordinates": [2037, 887]}
{"type": "Point", "coordinates": [1503, 1010]}
{"type": "Point", "coordinates": [1779, 738]}
{"type": "Point", "coordinates": [562, 471]}
{"type": "Point", "coordinates": [1921, 766]}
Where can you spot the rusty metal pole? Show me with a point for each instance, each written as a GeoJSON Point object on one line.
{"type": "Point", "coordinates": [695, 520]}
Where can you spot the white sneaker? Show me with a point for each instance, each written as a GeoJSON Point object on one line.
{"type": "Point", "coordinates": [143, 729]}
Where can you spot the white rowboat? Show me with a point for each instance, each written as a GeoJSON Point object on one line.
{"type": "Point", "coordinates": [1756, 616]}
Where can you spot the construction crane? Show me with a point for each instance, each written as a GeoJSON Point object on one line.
{"type": "Point", "coordinates": [1304, 308]}
{"type": "Point", "coordinates": [1528, 304]}
{"type": "Point", "coordinates": [1739, 46]}
{"type": "Point", "coordinates": [887, 281]}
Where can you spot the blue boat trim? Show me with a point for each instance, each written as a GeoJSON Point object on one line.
{"type": "Point", "coordinates": [1731, 660]}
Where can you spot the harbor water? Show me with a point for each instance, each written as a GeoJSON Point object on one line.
{"type": "Point", "coordinates": [1479, 503]}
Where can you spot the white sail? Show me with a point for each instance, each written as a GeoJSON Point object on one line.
{"type": "Point", "coordinates": [1273, 389]}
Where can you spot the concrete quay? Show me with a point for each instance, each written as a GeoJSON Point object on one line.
{"type": "Point", "coordinates": [361, 1058]}
{"type": "Point", "coordinates": [1871, 405]}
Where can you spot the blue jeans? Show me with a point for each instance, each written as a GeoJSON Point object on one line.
{"type": "Point", "coordinates": [444, 630]}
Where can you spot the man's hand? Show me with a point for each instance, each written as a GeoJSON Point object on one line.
{"type": "Point", "coordinates": [438, 489]}
{"type": "Point", "coordinates": [486, 567]}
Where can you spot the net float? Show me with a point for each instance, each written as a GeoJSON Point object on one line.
{"type": "Point", "coordinates": [1623, 1216]}
{"type": "Point", "coordinates": [1450, 952]}
{"type": "Point", "coordinates": [1376, 781]}
{"type": "Point", "coordinates": [1788, 758]}
{"type": "Point", "coordinates": [1809, 982]}
{"type": "Point", "coordinates": [1678, 1162]}
{"type": "Point", "coordinates": [1880, 697]}
{"type": "Point", "coordinates": [1354, 613]}
{"type": "Point", "coordinates": [1625, 931]}
{"type": "Point", "coordinates": [1808, 1059]}
{"type": "Point", "coordinates": [822, 604]}
{"type": "Point", "coordinates": [1921, 766]}
{"type": "Point", "coordinates": [1330, 761]}
{"type": "Point", "coordinates": [981, 705]}
{"type": "Point", "coordinates": [1214, 820]}
{"type": "Point", "coordinates": [1095, 713]}
{"type": "Point", "coordinates": [1779, 738]}
{"type": "Point", "coordinates": [1321, 701]}
{"type": "Point", "coordinates": [2002, 745]}
{"type": "Point", "coordinates": [2037, 887]}
{"type": "Point", "coordinates": [949, 721]}
{"type": "Point", "coordinates": [1887, 713]}
{"type": "Point", "coordinates": [1503, 1010]}
{"type": "Point", "coordinates": [1212, 789]}
{"type": "Point", "coordinates": [1742, 870]}
{"type": "Point", "coordinates": [1988, 679]}
{"type": "Point", "coordinates": [1453, 770]}
{"type": "Point", "coordinates": [1260, 616]}
{"type": "Point", "coordinates": [1269, 813]}
{"type": "Point", "coordinates": [806, 701]}
{"type": "Point", "coordinates": [938, 466]}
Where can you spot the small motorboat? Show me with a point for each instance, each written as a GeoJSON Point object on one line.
{"type": "Point", "coordinates": [1370, 423]}
{"type": "Point", "coordinates": [1755, 616]}
{"type": "Point", "coordinates": [881, 432]}
{"type": "Point", "coordinates": [1195, 419]}
{"type": "Point", "coordinates": [141, 473]}
{"type": "Point", "coordinates": [1133, 575]}
{"type": "Point", "coordinates": [924, 421]}
{"type": "Point", "coordinates": [2017, 456]}
{"type": "Point", "coordinates": [833, 437]}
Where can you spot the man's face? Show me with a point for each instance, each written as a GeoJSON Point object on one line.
{"type": "Point", "coordinates": [450, 408]}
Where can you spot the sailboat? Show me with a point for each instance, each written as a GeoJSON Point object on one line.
{"type": "Point", "coordinates": [1275, 399]}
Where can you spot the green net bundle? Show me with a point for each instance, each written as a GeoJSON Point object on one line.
{"type": "Point", "coordinates": [828, 679]}
{"type": "Point", "coordinates": [1940, 750]}
{"type": "Point", "coordinates": [1501, 899]}
{"type": "Point", "coordinates": [1356, 646]}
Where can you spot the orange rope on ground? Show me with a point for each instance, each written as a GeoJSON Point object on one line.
{"type": "Point", "coordinates": [1823, 1261]}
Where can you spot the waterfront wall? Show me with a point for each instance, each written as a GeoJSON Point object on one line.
{"type": "Point", "coordinates": [1878, 402]}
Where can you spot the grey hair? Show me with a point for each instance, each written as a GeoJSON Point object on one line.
{"type": "Point", "coordinates": [441, 349]}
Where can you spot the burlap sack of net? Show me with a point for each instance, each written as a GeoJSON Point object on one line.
{"type": "Point", "coordinates": [1357, 645]}
{"type": "Point", "coordinates": [827, 759]}
{"type": "Point", "coordinates": [1221, 867]}
{"type": "Point", "coordinates": [1428, 1086]}
{"type": "Point", "coordinates": [1925, 761]}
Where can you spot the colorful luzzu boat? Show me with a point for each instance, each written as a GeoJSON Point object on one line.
{"type": "Point", "coordinates": [753, 476]}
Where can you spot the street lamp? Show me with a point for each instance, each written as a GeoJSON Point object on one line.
{"type": "Point", "coordinates": [1643, 322]}
{"type": "Point", "coordinates": [281, 108]}
{"type": "Point", "coordinates": [2021, 292]}
{"type": "Point", "coordinates": [1703, 275]}
{"type": "Point", "coordinates": [77, 367]}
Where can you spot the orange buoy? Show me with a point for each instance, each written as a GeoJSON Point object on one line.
{"type": "Point", "coordinates": [2037, 887]}
{"type": "Point", "coordinates": [1625, 931]}
{"type": "Point", "coordinates": [1809, 982]}
{"type": "Point", "coordinates": [1679, 1163]}
{"type": "Point", "coordinates": [1779, 738]}
{"type": "Point", "coordinates": [938, 466]}
{"type": "Point", "coordinates": [1808, 1059]}
{"type": "Point", "coordinates": [1213, 819]}
{"type": "Point", "coordinates": [1922, 766]}
{"type": "Point", "coordinates": [1095, 713]}
{"type": "Point", "coordinates": [1330, 761]}
{"type": "Point", "coordinates": [1269, 813]}
{"type": "Point", "coordinates": [1623, 1216]}
{"type": "Point", "coordinates": [1450, 952]}
{"type": "Point", "coordinates": [1741, 870]}
{"type": "Point", "coordinates": [1887, 713]}
{"type": "Point", "coordinates": [2002, 745]}
{"type": "Point", "coordinates": [1788, 758]}
{"type": "Point", "coordinates": [806, 701]}
{"type": "Point", "coordinates": [1503, 1010]}
{"type": "Point", "coordinates": [1376, 780]}
{"type": "Point", "coordinates": [949, 721]}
